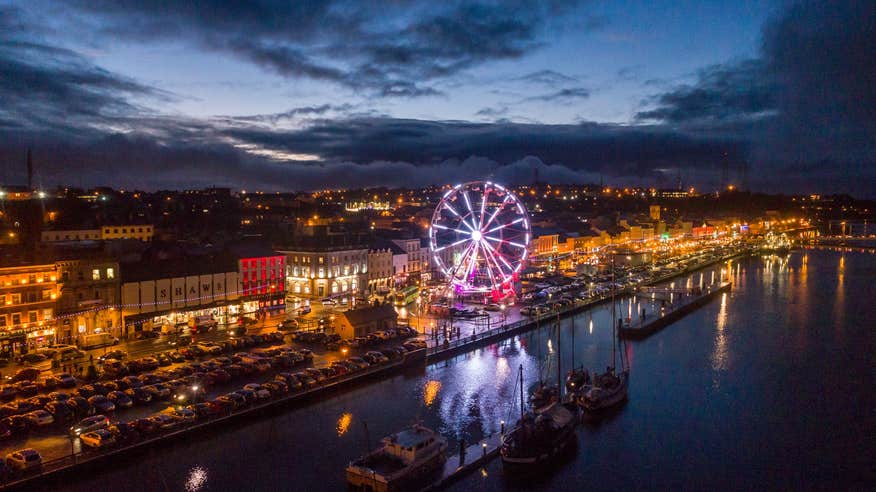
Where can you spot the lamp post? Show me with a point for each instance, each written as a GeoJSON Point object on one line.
{"type": "Point", "coordinates": [504, 314]}
{"type": "Point", "coordinates": [419, 313]}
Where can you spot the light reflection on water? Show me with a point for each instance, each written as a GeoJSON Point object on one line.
{"type": "Point", "coordinates": [196, 480]}
{"type": "Point", "coordinates": [344, 423]}
{"type": "Point", "coordinates": [430, 391]}
{"type": "Point", "coordinates": [720, 356]}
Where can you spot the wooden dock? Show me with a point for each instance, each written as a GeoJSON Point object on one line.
{"type": "Point", "coordinates": [646, 328]}
{"type": "Point", "coordinates": [476, 456]}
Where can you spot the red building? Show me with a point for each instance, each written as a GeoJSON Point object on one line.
{"type": "Point", "coordinates": [262, 276]}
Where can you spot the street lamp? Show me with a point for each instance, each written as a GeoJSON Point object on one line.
{"type": "Point", "coordinates": [504, 314]}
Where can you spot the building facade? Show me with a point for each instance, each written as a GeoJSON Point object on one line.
{"type": "Point", "coordinates": [141, 232]}
{"type": "Point", "coordinates": [379, 271]}
{"type": "Point", "coordinates": [27, 306]}
{"type": "Point", "coordinates": [263, 279]}
{"type": "Point", "coordinates": [165, 297]}
{"type": "Point", "coordinates": [320, 272]}
{"type": "Point", "coordinates": [89, 295]}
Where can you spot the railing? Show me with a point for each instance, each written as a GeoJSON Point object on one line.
{"type": "Point", "coordinates": [81, 457]}
{"type": "Point", "coordinates": [575, 306]}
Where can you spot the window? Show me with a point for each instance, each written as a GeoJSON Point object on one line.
{"type": "Point", "coordinates": [16, 318]}
{"type": "Point", "coordinates": [47, 294]}
{"type": "Point", "coordinates": [32, 279]}
{"type": "Point", "coordinates": [110, 273]}
{"type": "Point", "coordinates": [31, 316]}
{"type": "Point", "coordinates": [321, 260]}
{"type": "Point", "coordinates": [95, 274]}
{"type": "Point", "coordinates": [31, 297]}
{"type": "Point", "coordinates": [47, 314]}
{"type": "Point", "coordinates": [321, 272]}
{"type": "Point", "coordinates": [2, 320]}
{"type": "Point", "coordinates": [65, 276]}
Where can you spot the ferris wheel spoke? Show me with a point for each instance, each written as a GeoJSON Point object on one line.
{"type": "Point", "coordinates": [461, 218]}
{"type": "Point", "coordinates": [439, 226]}
{"type": "Point", "coordinates": [493, 254]}
{"type": "Point", "coordinates": [498, 209]}
{"type": "Point", "coordinates": [462, 259]}
{"type": "Point", "coordinates": [474, 259]}
{"type": "Point", "coordinates": [471, 213]}
{"type": "Point", "coordinates": [494, 229]}
{"type": "Point", "coordinates": [483, 206]}
{"type": "Point", "coordinates": [492, 257]}
{"type": "Point", "coordinates": [457, 243]}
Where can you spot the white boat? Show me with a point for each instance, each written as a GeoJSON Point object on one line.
{"type": "Point", "coordinates": [403, 459]}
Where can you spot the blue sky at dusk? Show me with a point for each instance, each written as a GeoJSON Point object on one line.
{"type": "Point", "coordinates": [298, 95]}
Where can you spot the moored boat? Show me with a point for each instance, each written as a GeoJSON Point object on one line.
{"type": "Point", "coordinates": [400, 463]}
{"type": "Point", "coordinates": [540, 438]}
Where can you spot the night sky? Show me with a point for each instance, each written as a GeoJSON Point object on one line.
{"type": "Point", "coordinates": [292, 95]}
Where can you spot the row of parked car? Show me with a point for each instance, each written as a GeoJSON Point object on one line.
{"type": "Point", "coordinates": [97, 432]}
{"type": "Point", "coordinates": [104, 396]}
{"type": "Point", "coordinates": [333, 341]}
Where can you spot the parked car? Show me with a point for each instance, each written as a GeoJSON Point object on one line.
{"type": "Point", "coordinates": [120, 399]}
{"type": "Point", "coordinates": [139, 395]}
{"type": "Point", "coordinates": [257, 390]}
{"type": "Point", "coordinates": [24, 459]}
{"type": "Point", "coordinates": [98, 439]}
{"type": "Point", "coordinates": [80, 406]}
{"type": "Point", "coordinates": [59, 410]}
{"type": "Point", "coordinates": [28, 374]}
{"type": "Point", "coordinates": [26, 388]}
{"type": "Point", "coordinates": [65, 380]}
{"type": "Point", "coordinates": [124, 432]}
{"type": "Point", "coordinates": [7, 392]}
{"type": "Point", "coordinates": [113, 354]}
{"type": "Point", "coordinates": [90, 424]}
{"type": "Point", "coordinates": [166, 422]}
{"type": "Point", "coordinates": [40, 418]}
{"type": "Point", "coordinates": [101, 404]}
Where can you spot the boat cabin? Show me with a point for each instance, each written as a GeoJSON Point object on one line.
{"type": "Point", "coordinates": [410, 444]}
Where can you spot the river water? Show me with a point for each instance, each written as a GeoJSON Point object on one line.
{"type": "Point", "coordinates": [770, 386]}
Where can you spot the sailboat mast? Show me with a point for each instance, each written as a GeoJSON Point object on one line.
{"type": "Point", "coordinates": [559, 359]}
{"type": "Point", "coordinates": [613, 315]}
{"type": "Point", "coordinates": [521, 391]}
{"type": "Point", "coordinates": [573, 342]}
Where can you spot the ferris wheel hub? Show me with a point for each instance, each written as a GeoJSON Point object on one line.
{"type": "Point", "coordinates": [476, 235]}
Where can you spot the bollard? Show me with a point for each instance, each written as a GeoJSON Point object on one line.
{"type": "Point", "coordinates": [502, 424]}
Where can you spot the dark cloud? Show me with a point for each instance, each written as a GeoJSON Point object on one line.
{"type": "Point", "coordinates": [546, 77]}
{"type": "Point", "coordinates": [386, 48]}
{"type": "Point", "coordinates": [293, 114]}
{"type": "Point", "coordinates": [801, 114]}
{"type": "Point", "coordinates": [807, 99]}
{"type": "Point", "coordinates": [497, 112]}
{"type": "Point", "coordinates": [47, 87]}
{"type": "Point", "coordinates": [734, 91]}
{"type": "Point", "coordinates": [617, 150]}
{"type": "Point", "coordinates": [563, 95]}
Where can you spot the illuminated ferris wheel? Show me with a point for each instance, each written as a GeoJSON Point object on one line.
{"type": "Point", "coordinates": [479, 237]}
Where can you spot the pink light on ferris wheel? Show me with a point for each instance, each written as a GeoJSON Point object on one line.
{"type": "Point", "coordinates": [479, 236]}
